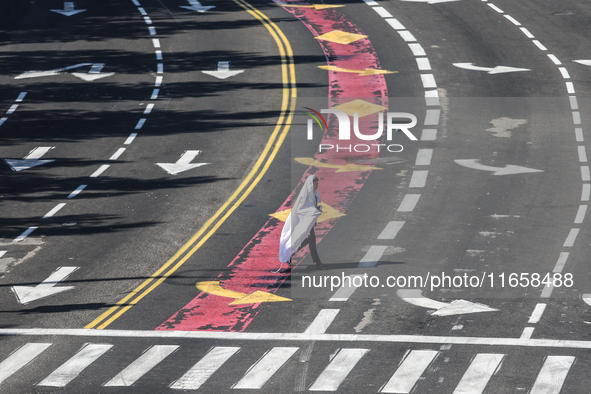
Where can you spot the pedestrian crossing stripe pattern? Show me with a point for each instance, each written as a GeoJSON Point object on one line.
{"type": "Point", "coordinates": [404, 378]}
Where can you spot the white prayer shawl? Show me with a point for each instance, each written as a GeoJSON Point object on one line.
{"type": "Point", "coordinates": [300, 221]}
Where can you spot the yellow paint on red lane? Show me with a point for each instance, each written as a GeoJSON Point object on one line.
{"type": "Point", "coordinates": [340, 168]}
{"type": "Point", "coordinates": [214, 287]}
{"type": "Point", "coordinates": [362, 73]}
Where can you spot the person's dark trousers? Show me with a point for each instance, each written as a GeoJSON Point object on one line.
{"type": "Point", "coordinates": [311, 241]}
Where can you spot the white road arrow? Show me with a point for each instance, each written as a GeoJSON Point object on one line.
{"type": "Point", "coordinates": [31, 160]}
{"type": "Point", "coordinates": [587, 298]}
{"type": "Point", "coordinates": [430, 1]}
{"type": "Point", "coordinates": [183, 164]}
{"type": "Point", "coordinates": [68, 9]}
{"type": "Point", "coordinates": [196, 6]}
{"type": "Point", "coordinates": [495, 70]}
{"type": "Point", "coordinates": [26, 294]}
{"type": "Point", "coordinates": [507, 170]}
{"type": "Point", "coordinates": [584, 62]}
{"type": "Point", "coordinates": [457, 307]}
{"type": "Point", "coordinates": [92, 75]}
{"type": "Point", "coordinates": [223, 71]}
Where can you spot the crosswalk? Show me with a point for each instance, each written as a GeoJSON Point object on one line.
{"type": "Point", "coordinates": [406, 373]}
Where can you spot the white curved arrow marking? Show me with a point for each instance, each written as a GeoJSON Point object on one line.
{"type": "Point", "coordinates": [494, 70]}
{"type": "Point", "coordinates": [183, 164]}
{"type": "Point", "coordinates": [196, 6]}
{"type": "Point", "coordinates": [223, 71]}
{"type": "Point", "coordinates": [31, 160]}
{"type": "Point", "coordinates": [68, 9]}
{"type": "Point", "coordinates": [583, 62]}
{"type": "Point", "coordinates": [457, 307]}
{"type": "Point", "coordinates": [509, 169]}
{"type": "Point", "coordinates": [92, 75]}
{"type": "Point", "coordinates": [26, 294]}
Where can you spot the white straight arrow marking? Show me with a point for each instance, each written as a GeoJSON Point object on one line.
{"type": "Point", "coordinates": [196, 6]}
{"type": "Point", "coordinates": [490, 70]}
{"type": "Point", "coordinates": [223, 71]}
{"type": "Point", "coordinates": [26, 294]}
{"type": "Point", "coordinates": [31, 160]}
{"type": "Point", "coordinates": [457, 307]}
{"type": "Point", "coordinates": [94, 73]}
{"type": "Point", "coordinates": [509, 169]}
{"type": "Point", "coordinates": [583, 62]}
{"type": "Point", "coordinates": [68, 9]}
{"type": "Point", "coordinates": [183, 164]}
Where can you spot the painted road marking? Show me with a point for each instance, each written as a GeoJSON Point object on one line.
{"type": "Point", "coordinates": [539, 45]}
{"type": "Point", "coordinates": [54, 210]}
{"type": "Point", "coordinates": [335, 373]}
{"type": "Point", "coordinates": [586, 192]}
{"type": "Point", "coordinates": [361, 73]}
{"type": "Point", "coordinates": [509, 169]}
{"type": "Point", "coordinates": [21, 357]}
{"type": "Point", "coordinates": [573, 102]}
{"type": "Point", "coordinates": [100, 170]}
{"type": "Point", "coordinates": [423, 64]}
{"type": "Point", "coordinates": [581, 214]}
{"type": "Point", "coordinates": [322, 321]}
{"type": "Point", "coordinates": [552, 376]}
{"type": "Point", "coordinates": [183, 163]}
{"type": "Point", "coordinates": [409, 372]}
{"type": "Point", "coordinates": [417, 49]}
{"type": "Point", "coordinates": [21, 97]}
{"type": "Point", "coordinates": [196, 6]}
{"type": "Point", "coordinates": [494, 7]}
{"type": "Point", "coordinates": [156, 42]}
{"type": "Point", "coordinates": [561, 262]}
{"type": "Point", "coordinates": [570, 239]}
{"type": "Point", "coordinates": [213, 287]}
{"type": "Point", "coordinates": [223, 71]}
{"type": "Point", "coordinates": [512, 20]}
{"type": "Point", "coordinates": [310, 161]}
{"type": "Point", "coordinates": [526, 32]}
{"type": "Point", "coordinates": [74, 366]}
{"type": "Point", "coordinates": [155, 93]}
{"type": "Point", "coordinates": [149, 108]}
{"type": "Point", "coordinates": [527, 333]}
{"type": "Point", "coordinates": [585, 174]}
{"type": "Point", "coordinates": [117, 154]}
{"type": "Point", "coordinates": [456, 307]}
{"type": "Point", "coordinates": [424, 157]}
{"type": "Point", "coordinates": [418, 179]}
{"type": "Point", "coordinates": [409, 202]}
{"type": "Point", "coordinates": [554, 59]}
{"type": "Point", "coordinates": [26, 294]}
{"type": "Point", "coordinates": [579, 134]}
{"type": "Point", "coordinates": [265, 368]}
{"type": "Point", "coordinates": [428, 81]}
{"type": "Point", "coordinates": [140, 124]}
{"type": "Point", "coordinates": [490, 70]}
{"type": "Point", "coordinates": [200, 372]}
{"type": "Point", "coordinates": [582, 153]}
{"type": "Point", "coordinates": [479, 373]}
{"type": "Point", "coordinates": [406, 36]}
{"type": "Point", "coordinates": [340, 37]}
{"type": "Point", "coordinates": [391, 230]}
{"type": "Point", "coordinates": [429, 135]}
{"type": "Point", "coordinates": [77, 191]}
{"type": "Point", "coordinates": [576, 117]}
{"type": "Point", "coordinates": [25, 234]}
{"type": "Point", "coordinates": [570, 88]}
{"type": "Point", "coordinates": [373, 256]}
{"type": "Point", "coordinates": [432, 117]}
{"type": "Point", "coordinates": [68, 10]}
{"type": "Point", "coordinates": [382, 12]}
{"type": "Point", "coordinates": [158, 55]}
{"type": "Point", "coordinates": [537, 313]}
{"type": "Point", "coordinates": [396, 25]}
{"type": "Point", "coordinates": [346, 290]}
{"type": "Point", "coordinates": [12, 109]}
{"type": "Point", "coordinates": [564, 72]}
{"type": "Point", "coordinates": [31, 160]}
{"type": "Point", "coordinates": [144, 364]}
{"type": "Point", "coordinates": [2, 252]}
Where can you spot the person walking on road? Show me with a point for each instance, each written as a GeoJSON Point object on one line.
{"type": "Point", "coordinates": [298, 230]}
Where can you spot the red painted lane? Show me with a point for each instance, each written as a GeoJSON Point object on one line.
{"type": "Point", "coordinates": [252, 269]}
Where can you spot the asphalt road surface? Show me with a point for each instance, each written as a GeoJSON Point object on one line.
{"type": "Point", "coordinates": [150, 152]}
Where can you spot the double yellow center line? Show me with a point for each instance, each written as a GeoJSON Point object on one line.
{"type": "Point", "coordinates": [275, 141]}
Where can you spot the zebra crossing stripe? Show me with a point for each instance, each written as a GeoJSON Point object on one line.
{"type": "Point", "coordinates": [409, 371]}
{"type": "Point", "coordinates": [552, 376]}
{"type": "Point", "coordinates": [21, 357]}
{"type": "Point", "coordinates": [262, 370]}
{"type": "Point", "coordinates": [341, 365]}
{"type": "Point", "coordinates": [152, 357]}
{"type": "Point", "coordinates": [200, 372]}
{"type": "Point", "coordinates": [479, 373]}
{"type": "Point", "coordinates": [322, 321]}
{"type": "Point", "coordinates": [74, 366]}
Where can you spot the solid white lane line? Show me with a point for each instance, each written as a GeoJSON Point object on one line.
{"type": "Point", "coordinates": [406, 35]}
{"type": "Point", "coordinates": [409, 203]}
{"type": "Point", "coordinates": [265, 368]}
{"type": "Point", "coordinates": [322, 321]}
{"type": "Point", "coordinates": [564, 72]}
{"type": "Point", "coordinates": [417, 49]}
{"type": "Point", "coordinates": [156, 42]}
{"type": "Point", "coordinates": [479, 373]}
{"type": "Point", "coordinates": [537, 313]}
{"type": "Point", "coordinates": [582, 153]}
{"type": "Point", "coordinates": [432, 117]}
{"type": "Point", "coordinates": [409, 371]}
{"type": "Point", "coordinates": [552, 376]}
{"type": "Point", "coordinates": [539, 45]}
{"type": "Point", "coordinates": [21, 357]}
{"type": "Point", "coordinates": [341, 365]}
{"type": "Point", "coordinates": [346, 290]}
{"type": "Point", "coordinates": [131, 137]}
{"type": "Point", "coordinates": [54, 210]}
{"type": "Point", "coordinates": [429, 135]}
{"type": "Point", "coordinates": [585, 174]}
{"type": "Point", "coordinates": [424, 157]}
{"type": "Point", "coordinates": [554, 59]}
{"type": "Point", "coordinates": [373, 256]}
{"type": "Point", "coordinates": [561, 262]}
{"type": "Point", "coordinates": [140, 123]}
{"type": "Point", "coordinates": [526, 32]}
{"type": "Point", "coordinates": [581, 214]}
{"type": "Point", "coordinates": [155, 94]}
{"type": "Point", "coordinates": [100, 170]}
{"type": "Point", "coordinates": [77, 191]}
{"type": "Point", "coordinates": [570, 88]}
{"type": "Point", "coordinates": [74, 366]}
{"type": "Point", "coordinates": [428, 81]}
{"type": "Point", "coordinates": [494, 7]}
{"type": "Point", "coordinates": [158, 55]}
{"type": "Point", "coordinates": [200, 372]}
{"type": "Point", "coordinates": [573, 102]}
{"type": "Point", "coordinates": [117, 154]}
{"type": "Point", "coordinates": [21, 97]}
{"type": "Point", "coordinates": [512, 20]}
{"type": "Point", "coordinates": [382, 12]}
{"type": "Point", "coordinates": [391, 230]}
{"type": "Point", "coordinates": [570, 240]}
{"type": "Point", "coordinates": [576, 117]}
{"type": "Point", "coordinates": [134, 371]}
{"type": "Point", "coordinates": [423, 63]}
{"type": "Point", "coordinates": [527, 333]}
{"type": "Point", "coordinates": [149, 108]}
{"type": "Point", "coordinates": [579, 134]}
{"type": "Point", "coordinates": [396, 25]}
{"type": "Point", "coordinates": [25, 234]}
{"type": "Point", "coordinates": [419, 178]}
{"type": "Point", "coordinates": [586, 192]}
